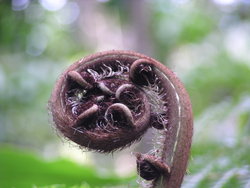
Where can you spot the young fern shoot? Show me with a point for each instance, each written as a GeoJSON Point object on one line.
{"type": "Point", "coordinates": [107, 101]}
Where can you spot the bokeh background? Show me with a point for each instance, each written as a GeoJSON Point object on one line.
{"type": "Point", "coordinates": [205, 42]}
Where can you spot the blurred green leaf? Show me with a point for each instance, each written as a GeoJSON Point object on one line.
{"type": "Point", "coordinates": [195, 27]}
{"type": "Point", "coordinates": [23, 169]}
{"type": "Point", "coordinates": [223, 159]}
{"type": "Point", "coordinates": [209, 84]}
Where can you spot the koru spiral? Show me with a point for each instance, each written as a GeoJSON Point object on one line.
{"type": "Point", "coordinates": [108, 100]}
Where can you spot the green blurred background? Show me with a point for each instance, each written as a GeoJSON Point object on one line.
{"type": "Point", "coordinates": [205, 42]}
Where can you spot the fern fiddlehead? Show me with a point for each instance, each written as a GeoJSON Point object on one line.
{"type": "Point", "coordinates": [107, 101]}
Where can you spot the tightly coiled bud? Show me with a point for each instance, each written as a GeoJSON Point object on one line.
{"type": "Point", "coordinates": [107, 101]}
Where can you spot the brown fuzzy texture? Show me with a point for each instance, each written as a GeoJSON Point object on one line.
{"type": "Point", "coordinates": [108, 100]}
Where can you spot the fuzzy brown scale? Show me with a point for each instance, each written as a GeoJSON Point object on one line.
{"type": "Point", "coordinates": [107, 101]}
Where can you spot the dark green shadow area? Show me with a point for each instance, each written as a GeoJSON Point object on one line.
{"type": "Point", "coordinates": [23, 169]}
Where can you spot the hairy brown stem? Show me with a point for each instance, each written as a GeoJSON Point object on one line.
{"type": "Point", "coordinates": [107, 101]}
{"type": "Point", "coordinates": [178, 137]}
